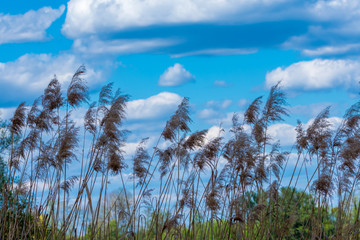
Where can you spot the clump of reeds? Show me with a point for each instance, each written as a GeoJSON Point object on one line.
{"type": "Point", "coordinates": [194, 187]}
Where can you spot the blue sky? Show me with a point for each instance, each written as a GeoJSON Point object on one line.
{"type": "Point", "coordinates": [220, 53]}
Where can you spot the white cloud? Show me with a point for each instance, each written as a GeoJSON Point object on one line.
{"type": "Point", "coordinates": [226, 103]}
{"type": "Point", "coordinates": [146, 127]}
{"type": "Point", "coordinates": [214, 111]}
{"type": "Point", "coordinates": [317, 74]}
{"type": "Point", "coordinates": [344, 10]}
{"type": "Point", "coordinates": [130, 148]}
{"type": "Point", "coordinates": [175, 76]}
{"type": "Point", "coordinates": [214, 132]}
{"type": "Point", "coordinates": [216, 52]}
{"type": "Point", "coordinates": [30, 26]}
{"type": "Point", "coordinates": [334, 122]}
{"type": "Point", "coordinates": [328, 21]}
{"type": "Point", "coordinates": [157, 106]}
{"type": "Point", "coordinates": [331, 50]}
{"type": "Point", "coordinates": [312, 110]}
{"type": "Point", "coordinates": [93, 16]}
{"type": "Point", "coordinates": [120, 46]}
{"type": "Point", "coordinates": [219, 104]}
{"type": "Point", "coordinates": [7, 113]}
{"type": "Point", "coordinates": [28, 75]}
{"type": "Point", "coordinates": [208, 113]}
{"type": "Point", "coordinates": [285, 133]}
{"type": "Point", "coordinates": [242, 102]}
{"type": "Point", "coordinates": [334, 42]}
{"type": "Point", "coordinates": [220, 83]}
{"type": "Point", "coordinates": [334, 23]}
{"type": "Point", "coordinates": [223, 119]}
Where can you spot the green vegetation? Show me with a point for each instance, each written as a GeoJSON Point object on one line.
{"type": "Point", "coordinates": [206, 188]}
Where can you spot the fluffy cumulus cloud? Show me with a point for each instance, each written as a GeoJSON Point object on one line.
{"type": "Point", "coordinates": [129, 148]}
{"type": "Point", "coordinates": [335, 122]}
{"type": "Point", "coordinates": [214, 132]}
{"type": "Point", "coordinates": [7, 113]}
{"type": "Point", "coordinates": [286, 133]}
{"type": "Point", "coordinates": [30, 26]}
{"type": "Point", "coordinates": [146, 118]}
{"type": "Point", "coordinates": [27, 76]}
{"type": "Point", "coordinates": [175, 76]}
{"type": "Point", "coordinates": [317, 74]}
{"type": "Point", "coordinates": [154, 107]}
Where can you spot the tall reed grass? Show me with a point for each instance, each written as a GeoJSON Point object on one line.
{"type": "Point", "coordinates": [216, 188]}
